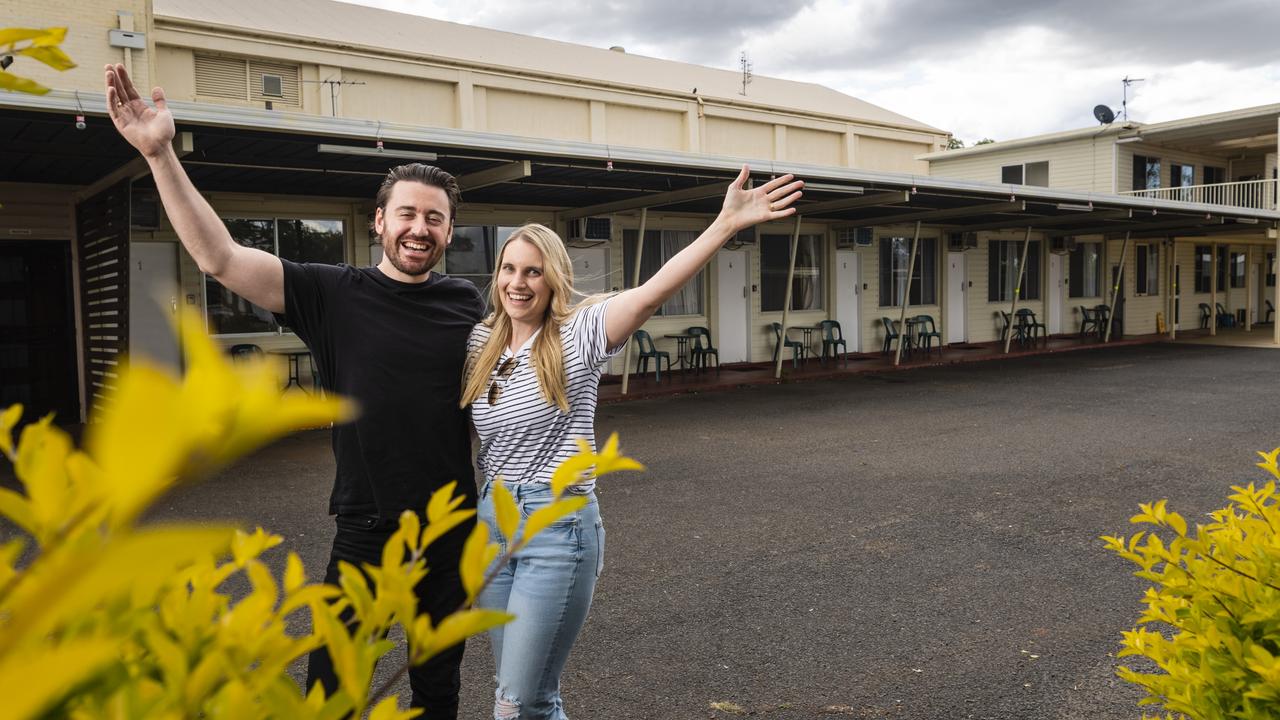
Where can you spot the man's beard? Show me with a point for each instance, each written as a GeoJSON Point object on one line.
{"type": "Point", "coordinates": [391, 249]}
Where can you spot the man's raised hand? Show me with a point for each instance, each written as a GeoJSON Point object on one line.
{"type": "Point", "coordinates": [148, 129]}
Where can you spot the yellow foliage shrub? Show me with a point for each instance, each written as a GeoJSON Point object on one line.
{"type": "Point", "coordinates": [1211, 622]}
{"type": "Point", "coordinates": [110, 619]}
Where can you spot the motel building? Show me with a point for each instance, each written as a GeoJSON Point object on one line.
{"type": "Point", "coordinates": [290, 112]}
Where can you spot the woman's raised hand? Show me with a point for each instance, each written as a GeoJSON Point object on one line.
{"type": "Point", "coordinates": [149, 129]}
{"type": "Point", "coordinates": [771, 201]}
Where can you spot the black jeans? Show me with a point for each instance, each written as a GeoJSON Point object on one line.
{"type": "Point", "coordinates": [435, 683]}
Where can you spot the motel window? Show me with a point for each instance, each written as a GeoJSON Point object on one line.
{"type": "Point", "coordinates": [806, 286]}
{"type": "Point", "coordinates": [1147, 268]}
{"type": "Point", "coordinates": [895, 256]}
{"type": "Point", "coordinates": [1214, 175]}
{"type": "Point", "coordinates": [1270, 269]}
{"type": "Point", "coordinates": [1237, 270]}
{"type": "Point", "coordinates": [1003, 258]}
{"type": "Point", "coordinates": [1182, 175]}
{"type": "Point", "coordinates": [1204, 264]}
{"type": "Point", "coordinates": [473, 254]}
{"type": "Point", "coordinates": [1085, 268]}
{"type": "Point", "coordinates": [1146, 172]}
{"type": "Point", "coordinates": [1035, 173]}
{"type": "Point", "coordinates": [296, 239]}
{"type": "Point", "coordinates": [659, 247]}
{"type": "Point", "coordinates": [1223, 265]}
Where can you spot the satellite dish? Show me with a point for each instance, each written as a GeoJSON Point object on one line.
{"type": "Point", "coordinates": [1104, 114]}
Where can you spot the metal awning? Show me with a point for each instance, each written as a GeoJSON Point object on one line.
{"type": "Point", "coordinates": [260, 151]}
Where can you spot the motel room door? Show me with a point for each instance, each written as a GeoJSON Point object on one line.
{"type": "Point", "coordinates": [732, 307]}
{"type": "Point", "coordinates": [153, 301]}
{"type": "Point", "coordinates": [848, 297]}
{"type": "Point", "coordinates": [1057, 294]}
{"type": "Point", "coordinates": [957, 291]}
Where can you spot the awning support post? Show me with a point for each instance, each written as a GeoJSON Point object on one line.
{"type": "Point", "coordinates": [786, 304]}
{"type": "Point", "coordinates": [906, 296]}
{"type": "Point", "coordinates": [635, 282]}
{"type": "Point", "coordinates": [1115, 287]}
{"type": "Point", "coordinates": [1017, 290]}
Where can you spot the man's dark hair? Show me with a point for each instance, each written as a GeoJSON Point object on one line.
{"type": "Point", "coordinates": [427, 175]}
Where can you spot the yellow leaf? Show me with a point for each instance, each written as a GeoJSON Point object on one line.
{"type": "Point", "coordinates": [505, 511]}
{"type": "Point", "coordinates": [463, 624]}
{"type": "Point", "coordinates": [18, 510]}
{"type": "Point", "coordinates": [33, 682]}
{"type": "Point", "coordinates": [573, 470]}
{"type": "Point", "coordinates": [545, 516]}
{"type": "Point", "coordinates": [49, 55]}
{"type": "Point", "coordinates": [245, 547]}
{"type": "Point", "coordinates": [442, 502]}
{"type": "Point", "coordinates": [411, 525]}
{"type": "Point", "coordinates": [389, 709]}
{"type": "Point", "coordinates": [8, 420]}
{"type": "Point", "coordinates": [37, 36]}
{"type": "Point", "coordinates": [294, 574]}
{"type": "Point", "coordinates": [13, 83]}
{"type": "Point", "coordinates": [437, 528]}
{"type": "Point", "coordinates": [477, 554]}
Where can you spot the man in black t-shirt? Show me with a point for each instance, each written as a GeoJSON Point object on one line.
{"type": "Point", "coordinates": [392, 337]}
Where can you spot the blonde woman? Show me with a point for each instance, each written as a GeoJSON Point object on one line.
{"type": "Point", "coordinates": [533, 370]}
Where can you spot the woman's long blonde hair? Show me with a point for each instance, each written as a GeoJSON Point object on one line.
{"type": "Point", "coordinates": [547, 354]}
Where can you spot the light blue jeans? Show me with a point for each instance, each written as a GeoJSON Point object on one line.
{"type": "Point", "coordinates": [548, 587]}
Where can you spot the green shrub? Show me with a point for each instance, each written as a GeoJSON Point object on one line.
{"type": "Point", "coordinates": [1211, 622]}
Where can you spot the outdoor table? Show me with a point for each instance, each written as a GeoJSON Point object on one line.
{"type": "Point", "coordinates": [682, 349]}
{"type": "Point", "coordinates": [807, 338]}
{"type": "Point", "coordinates": [909, 337]}
{"type": "Point", "coordinates": [293, 355]}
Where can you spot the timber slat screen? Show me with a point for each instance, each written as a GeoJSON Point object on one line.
{"type": "Point", "coordinates": [102, 238]}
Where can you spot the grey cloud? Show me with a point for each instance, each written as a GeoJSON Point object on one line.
{"type": "Point", "coordinates": [1146, 33]}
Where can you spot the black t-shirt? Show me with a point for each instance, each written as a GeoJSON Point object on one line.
{"type": "Point", "coordinates": [398, 350]}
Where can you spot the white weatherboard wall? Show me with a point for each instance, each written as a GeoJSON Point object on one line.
{"type": "Point", "coordinates": [1082, 164]}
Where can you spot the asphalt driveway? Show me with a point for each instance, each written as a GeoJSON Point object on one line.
{"type": "Point", "coordinates": [918, 544]}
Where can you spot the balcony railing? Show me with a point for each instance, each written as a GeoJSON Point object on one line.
{"type": "Point", "coordinates": [1259, 194]}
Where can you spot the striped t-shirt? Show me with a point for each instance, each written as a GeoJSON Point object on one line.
{"type": "Point", "coordinates": [523, 438]}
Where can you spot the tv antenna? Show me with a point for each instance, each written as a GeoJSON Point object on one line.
{"type": "Point", "coordinates": [333, 91]}
{"type": "Point", "coordinates": [745, 63]}
{"type": "Point", "coordinates": [1124, 105]}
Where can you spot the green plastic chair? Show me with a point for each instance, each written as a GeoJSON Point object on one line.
{"type": "Point", "coordinates": [781, 341]}
{"type": "Point", "coordinates": [1206, 313]}
{"type": "Point", "coordinates": [644, 343]}
{"type": "Point", "coordinates": [926, 331]}
{"type": "Point", "coordinates": [1088, 321]}
{"type": "Point", "coordinates": [833, 338]}
{"type": "Point", "coordinates": [700, 348]}
{"type": "Point", "coordinates": [890, 334]}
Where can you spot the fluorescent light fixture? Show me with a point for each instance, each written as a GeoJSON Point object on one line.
{"type": "Point", "coordinates": [376, 152]}
{"type": "Point", "coordinates": [1075, 206]}
{"type": "Point", "coordinates": [1135, 138]}
{"type": "Point", "coordinates": [829, 187]}
{"type": "Point", "coordinates": [1247, 221]}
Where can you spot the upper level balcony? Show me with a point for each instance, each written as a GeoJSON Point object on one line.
{"type": "Point", "coordinates": [1260, 194]}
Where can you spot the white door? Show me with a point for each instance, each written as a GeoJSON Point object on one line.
{"type": "Point", "coordinates": [153, 302]}
{"type": "Point", "coordinates": [957, 293]}
{"type": "Point", "coordinates": [848, 297]}
{"type": "Point", "coordinates": [730, 335]}
{"type": "Point", "coordinates": [590, 269]}
{"type": "Point", "coordinates": [1056, 303]}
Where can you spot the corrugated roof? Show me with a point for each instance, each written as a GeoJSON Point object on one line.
{"type": "Point", "coordinates": [347, 25]}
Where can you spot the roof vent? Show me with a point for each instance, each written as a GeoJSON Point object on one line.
{"type": "Point", "coordinates": [618, 48]}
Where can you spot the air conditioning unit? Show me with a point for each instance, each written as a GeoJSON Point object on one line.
{"type": "Point", "coordinates": [1062, 245]}
{"type": "Point", "coordinates": [589, 231]}
{"type": "Point", "coordinates": [961, 241]}
{"type": "Point", "coordinates": [273, 85]}
{"type": "Point", "coordinates": [853, 237]}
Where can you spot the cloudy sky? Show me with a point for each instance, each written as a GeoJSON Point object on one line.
{"type": "Point", "coordinates": [979, 68]}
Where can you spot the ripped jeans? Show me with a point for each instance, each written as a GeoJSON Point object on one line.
{"type": "Point", "coordinates": [548, 587]}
